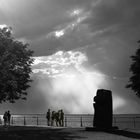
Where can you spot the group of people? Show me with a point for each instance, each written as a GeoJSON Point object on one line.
{"type": "Point", "coordinates": [53, 118]}
{"type": "Point", "coordinates": [7, 118]}
{"type": "Point", "coordinates": [57, 117]}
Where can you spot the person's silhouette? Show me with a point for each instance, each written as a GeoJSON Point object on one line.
{"type": "Point", "coordinates": [5, 118]}
{"type": "Point", "coordinates": [61, 117]}
{"type": "Point", "coordinates": [8, 117]}
{"type": "Point", "coordinates": [52, 118]}
{"type": "Point", "coordinates": [48, 116]}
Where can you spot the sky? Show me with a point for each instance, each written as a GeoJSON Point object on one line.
{"type": "Point", "coordinates": [79, 46]}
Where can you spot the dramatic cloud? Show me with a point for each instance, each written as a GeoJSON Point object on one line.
{"type": "Point", "coordinates": [79, 16]}
{"type": "Point", "coordinates": [59, 63]}
{"type": "Point", "coordinates": [64, 80]}
{"type": "Point", "coordinates": [79, 46]}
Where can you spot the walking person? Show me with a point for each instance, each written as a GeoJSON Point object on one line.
{"type": "Point", "coordinates": [48, 116]}
{"type": "Point", "coordinates": [8, 117]}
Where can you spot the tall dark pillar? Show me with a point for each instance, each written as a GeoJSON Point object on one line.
{"type": "Point", "coordinates": [103, 109]}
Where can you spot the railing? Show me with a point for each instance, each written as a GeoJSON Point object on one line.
{"type": "Point", "coordinates": [74, 120]}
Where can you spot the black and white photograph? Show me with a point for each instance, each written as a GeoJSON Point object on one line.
{"type": "Point", "coordinates": [69, 69]}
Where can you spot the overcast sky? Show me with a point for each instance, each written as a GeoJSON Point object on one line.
{"type": "Point", "coordinates": [79, 46]}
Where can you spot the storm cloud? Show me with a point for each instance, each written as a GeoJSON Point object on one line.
{"type": "Point", "coordinates": [106, 32]}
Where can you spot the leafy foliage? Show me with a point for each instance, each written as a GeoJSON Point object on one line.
{"type": "Point", "coordinates": [134, 81]}
{"type": "Point", "coordinates": [15, 70]}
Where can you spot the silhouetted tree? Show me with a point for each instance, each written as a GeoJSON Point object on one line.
{"type": "Point", "coordinates": [15, 70]}
{"type": "Point", "coordinates": [134, 81]}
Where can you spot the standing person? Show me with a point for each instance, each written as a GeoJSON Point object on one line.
{"type": "Point", "coordinates": [5, 118]}
{"type": "Point", "coordinates": [61, 117]}
{"type": "Point", "coordinates": [57, 118]}
{"type": "Point", "coordinates": [0, 121]}
{"type": "Point", "coordinates": [52, 118]}
{"type": "Point", "coordinates": [48, 116]}
{"type": "Point", "coordinates": [8, 117]}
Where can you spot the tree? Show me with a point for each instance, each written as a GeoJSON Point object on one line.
{"type": "Point", "coordinates": [134, 81]}
{"type": "Point", "coordinates": [15, 67]}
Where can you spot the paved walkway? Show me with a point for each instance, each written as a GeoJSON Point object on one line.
{"type": "Point", "coordinates": [53, 133]}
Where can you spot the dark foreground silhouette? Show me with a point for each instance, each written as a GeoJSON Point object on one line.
{"type": "Point", "coordinates": [34, 133]}
{"type": "Point", "coordinates": [103, 109]}
{"type": "Point", "coordinates": [125, 132]}
{"type": "Point", "coordinates": [42, 133]}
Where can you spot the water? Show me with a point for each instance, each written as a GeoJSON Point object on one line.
{"type": "Point", "coordinates": [75, 120]}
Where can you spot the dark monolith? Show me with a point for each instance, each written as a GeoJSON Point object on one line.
{"type": "Point", "coordinates": [103, 109]}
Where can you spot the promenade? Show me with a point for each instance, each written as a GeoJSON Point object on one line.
{"type": "Point", "coordinates": [123, 121]}
{"type": "Point", "coordinates": [65, 133]}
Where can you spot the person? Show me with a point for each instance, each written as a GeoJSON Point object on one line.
{"type": "Point", "coordinates": [48, 116]}
{"type": "Point", "coordinates": [0, 121]}
{"type": "Point", "coordinates": [61, 117]}
{"type": "Point", "coordinates": [5, 118]}
{"type": "Point", "coordinates": [8, 117]}
{"type": "Point", "coordinates": [57, 118]}
{"type": "Point", "coordinates": [52, 118]}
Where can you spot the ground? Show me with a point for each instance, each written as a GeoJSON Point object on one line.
{"type": "Point", "coordinates": [53, 133]}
